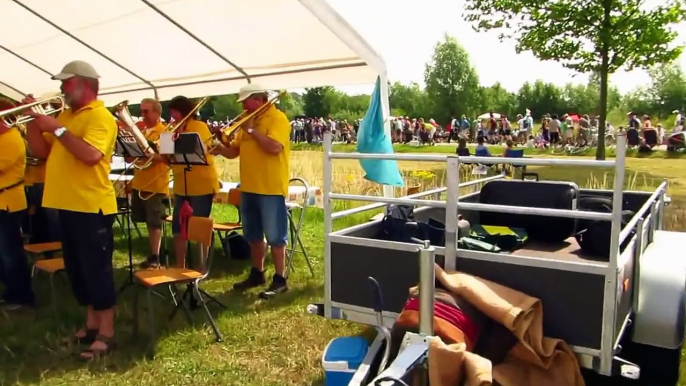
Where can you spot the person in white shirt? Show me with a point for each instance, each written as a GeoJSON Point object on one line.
{"type": "Point", "coordinates": [678, 121]}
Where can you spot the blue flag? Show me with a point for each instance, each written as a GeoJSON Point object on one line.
{"type": "Point", "coordinates": [372, 138]}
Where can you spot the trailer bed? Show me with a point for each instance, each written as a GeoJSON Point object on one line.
{"type": "Point", "coordinates": [568, 250]}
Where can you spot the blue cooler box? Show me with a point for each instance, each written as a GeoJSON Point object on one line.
{"type": "Point", "coordinates": [342, 357]}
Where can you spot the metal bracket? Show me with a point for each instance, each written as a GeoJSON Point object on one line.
{"type": "Point", "coordinates": [413, 352]}
{"type": "Point", "coordinates": [627, 369]}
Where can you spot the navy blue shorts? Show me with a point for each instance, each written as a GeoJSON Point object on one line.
{"type": "Point", "coordinates": [264, 216]}
{"type": "Point", "coordinates": [202, 207]}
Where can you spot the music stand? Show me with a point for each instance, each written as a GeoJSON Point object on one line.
{"type": "Point", "coordinates": [189, 151]}
{"type": "Point", "coordinates": [126, 146]}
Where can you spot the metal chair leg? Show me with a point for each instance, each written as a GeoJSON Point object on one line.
{"type": "Point", "coordinates": [213, 299]}
{"type": "Point", "coordinates": [217, 334]}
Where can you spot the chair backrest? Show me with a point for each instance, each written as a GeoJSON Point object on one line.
{"type": "Point", "coordinates": [200, 231]}
{"type": "Point", "coordinates": [462, 152]}
{"type": "Point", "coordinates": [481, 152]}
{"type": "Point", "coordinates": [515, 153]}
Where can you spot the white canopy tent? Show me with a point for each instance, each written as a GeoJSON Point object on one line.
{"type": "Point", "coordinates": [164, 48]}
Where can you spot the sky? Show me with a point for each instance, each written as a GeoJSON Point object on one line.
{"type": "Point", "coordinates": [405, 32]}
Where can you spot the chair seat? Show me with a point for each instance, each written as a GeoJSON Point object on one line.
{"type": "Point", "coordinates": [50, 265]}
{"type": "Point", "coordinates": [151, 278]}
{"type": "Point", "coordinates": [226, 227]}
{"type": "Point", "coordinates": [43, 247]}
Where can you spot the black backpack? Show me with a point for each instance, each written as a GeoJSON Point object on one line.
{"type": "Point", "coordinates": [593, 236]}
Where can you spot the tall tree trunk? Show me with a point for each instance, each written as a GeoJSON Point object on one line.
{"type": "Point", "coordinates": [600, 152]}
{"type": "Point", "coordinates": [604, 75]}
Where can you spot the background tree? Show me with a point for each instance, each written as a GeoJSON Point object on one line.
{"type": "Point", "coordinates": [316, 103]}
{"type": "Point", "coordinates": [451, 82]}
{"type": "Point", "coordinates": [593, 36]}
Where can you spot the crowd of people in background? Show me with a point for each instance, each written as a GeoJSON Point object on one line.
{"type": "Point", "coordinates": [567, 130]}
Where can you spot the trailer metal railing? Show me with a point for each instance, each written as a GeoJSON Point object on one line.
{"type": "Point", "coordinates": [452, 207]}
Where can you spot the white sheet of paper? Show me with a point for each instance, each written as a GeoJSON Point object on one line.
{"type": "Point", "coordinates": [166, 143]}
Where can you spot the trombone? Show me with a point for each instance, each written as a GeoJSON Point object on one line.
{"type": "Point", "coordinates": [15, 117]}
{"type": "Point", "coordinates": [243, 117]}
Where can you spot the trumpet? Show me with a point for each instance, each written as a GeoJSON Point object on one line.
{"type": "Point", "coordinates": [15, 117]}
{"type": "Point", "coordinates": [243, 117]}
{"type": "Point", "coordinates": [132, 134]}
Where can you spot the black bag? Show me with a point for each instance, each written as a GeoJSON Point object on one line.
{"type": "Point", "coordinates": [593, 236]}
{"type": "Point", "coordinates": [237, 245]}
{"type": "Point", "coordinates": [393, 227]}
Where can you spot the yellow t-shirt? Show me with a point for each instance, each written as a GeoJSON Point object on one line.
{"type": "Point", "coordinates": [154, 179]}
{"type": "Point", "coordinates": [35, 174]}
{"type": "Point", "coordinates": [12, 165]}
{"type": "Point", "coordinates": [69, 183]}
{"type": "Point", "coordinates": [264, 173]}
{"type": "Point", "coordinates": [202, 180]}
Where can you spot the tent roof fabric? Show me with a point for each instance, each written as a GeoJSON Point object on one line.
{"type": "Point", "coordinates": [164, 48]}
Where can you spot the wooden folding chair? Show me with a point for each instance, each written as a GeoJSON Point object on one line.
{"type": "Point", "coordinates": [52, 266]}
{"type": "Point", "coordinates": [199, 231]}
{"type": "Point", "coordinates": [225, 229]}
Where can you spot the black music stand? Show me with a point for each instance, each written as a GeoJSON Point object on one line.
{"type": "Point", "coordinates": [189, 151]}
{"type": "Point", "coordinates": [126, 146]}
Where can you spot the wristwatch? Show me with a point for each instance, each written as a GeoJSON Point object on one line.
{"type": "Point", "coordinates": [250, 130]}
{"type": "Point", "coordinates": [60, 131]}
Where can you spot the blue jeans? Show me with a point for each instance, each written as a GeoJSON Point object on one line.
{"type": "Point", "coordinates": [202, 207]}
{"type": "Point", "coordinates": [264, 216]}
{"type": "Point", "coordinates": [15, 275]}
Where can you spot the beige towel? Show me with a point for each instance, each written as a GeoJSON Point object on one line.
{"type": "Point", "coordinates": [535, 360]}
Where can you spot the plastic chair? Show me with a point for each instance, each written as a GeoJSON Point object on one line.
{"type": "Point", "coordinates": [296, 244]}
{"type": "Point", "coordinates": [200, 230]}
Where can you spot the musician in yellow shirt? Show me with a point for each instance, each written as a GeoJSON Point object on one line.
{"type": "Point", "coordinates": [196, 186]}
{"type": "Point", "coordinates": [78, 146]}
{"type": "Point", "coordinates": [151, 185]}
{"type": "Point", "coordinates": [264, 149]}
{"type": "Point", "coordinates": [14, 270]}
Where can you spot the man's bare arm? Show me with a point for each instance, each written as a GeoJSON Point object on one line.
{"type": "Point", "coordinates": [37, 143]}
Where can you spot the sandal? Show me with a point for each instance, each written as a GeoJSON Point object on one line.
{"type": "Point", "coordinates": [97, 353]}
{"type": "Point", "coordinates": [89, 338]}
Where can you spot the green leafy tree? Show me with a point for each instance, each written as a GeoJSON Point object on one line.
{"type": "Point", "coordinates": [589, 36]}
{"type": "Point", "coordinates": [226, 107]}
{"type": "Point", "coordinates": [668, 89]}
{"type": "Point", "coordinates": [317, 102]}
{"type": "Point", "coordinates": [452, 84]}
{"type": "Point", "coordinates": [409, 100]}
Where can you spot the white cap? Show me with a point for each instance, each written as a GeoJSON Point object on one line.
{"type": "Point", "coordinates": [250, 89]}
{"type": "Point", "coordinates": [77, 68]}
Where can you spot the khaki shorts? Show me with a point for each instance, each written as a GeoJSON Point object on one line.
{"type": "Point", "coordinates": [150, 211]}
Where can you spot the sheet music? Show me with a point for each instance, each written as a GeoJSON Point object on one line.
{"type": "Point", "coordinates": [166, 143]}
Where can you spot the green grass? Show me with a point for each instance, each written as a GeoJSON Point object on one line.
{"type": "Point", "coordinates": [265, 343]}
{"type": "Point", "coordinates": [495, 150]}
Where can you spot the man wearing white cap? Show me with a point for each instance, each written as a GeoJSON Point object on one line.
{"type": "Point", "coordinates": [78, 146]}
{"type": "Point", "coordinates": [264, 149]}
